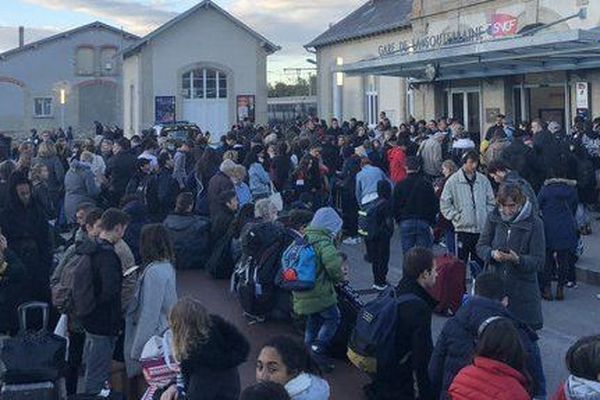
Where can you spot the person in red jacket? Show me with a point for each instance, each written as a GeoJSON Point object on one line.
{"type": "Point", "coordinates": [496, 370]}
{"type": "Point", "coordinates": [396, 158]}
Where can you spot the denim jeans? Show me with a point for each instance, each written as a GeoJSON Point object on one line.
{"type": "Point", "coordinates": [415, 232]}
{"type": "Point", "coordinates": [321, 328]}
{"type": "Point", "coordinates": [98, 359]}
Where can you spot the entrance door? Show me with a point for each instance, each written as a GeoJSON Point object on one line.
{"type": "Point", "coordinates": [205, 100]}
{"type": "Point", "coordinates": [546, 102]}
{"type": "Point", "coordinates": [464, 105]}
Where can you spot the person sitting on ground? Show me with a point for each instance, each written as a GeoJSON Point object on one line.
{"type": "Point", "coordinates": [583, 363]}
{"type": "Point", "coordinates": [209, 351]}
{"type": "Point", "coordinates": [498, 365]}
{"type": "Point", "coordinates": [285, 361]}
{"type": "Point", "coordinates": [265, 391]}
{"type": "Point", "coordinates": [189, 233]}
{"type": "Point", "coordinates": [456, 343]}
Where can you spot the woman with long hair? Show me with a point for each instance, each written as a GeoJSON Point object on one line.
{"type": "Point", "coordinates": [209, 351]}
{"type": "Point", "coordinates": [47, 156]}
{"type": "Point", "coordinates": [498, 369]}
{"type": "Point", "coordinates": [156, 294]}
{"type": "Point", "coordinates": [287, 362]}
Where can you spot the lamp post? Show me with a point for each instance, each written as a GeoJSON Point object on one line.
{"type": "Point", "coordinates": [63, 101]}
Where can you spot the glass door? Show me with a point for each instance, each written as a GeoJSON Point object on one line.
{"type": "Point", "coordinates": [464, 105]}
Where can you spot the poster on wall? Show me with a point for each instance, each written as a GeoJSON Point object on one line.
{"type": "Point", "coordinates": [164, 109]}
{"type": "Point", "coordinates": [582, 98]}
{"type": "Point", "coordinates": [246, 107]}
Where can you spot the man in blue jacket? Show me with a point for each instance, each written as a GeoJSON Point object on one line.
{"type": "Point", "coordinates": [456, 344]}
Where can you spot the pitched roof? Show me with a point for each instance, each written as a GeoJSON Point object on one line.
{"type": "Point", "coordinates": [372, 18]}
{"type": "Point", "coordinates": [268, 45]}
{"type": "Point", "coordinates": [49, 39]}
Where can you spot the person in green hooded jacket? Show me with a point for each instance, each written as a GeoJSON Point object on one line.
{"type": "Point", "coordinates": [319, 305]}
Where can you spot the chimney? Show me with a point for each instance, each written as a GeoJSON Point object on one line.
{"type": "Point", "coordinates": [21, 36]}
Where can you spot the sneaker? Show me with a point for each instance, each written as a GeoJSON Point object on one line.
{"type": "Point", "coordinates": [380, 288]}
{"type": "Point", "coordinates": [351, 241]}
{"type": "Point", "coordinates": [325, 364]}
{"type": "Point", "coordinates": [572, 285]}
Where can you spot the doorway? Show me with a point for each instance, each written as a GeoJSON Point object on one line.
{"type": "Point", "coordinates": [547, 102]}
{"type": "Point", "coordinates": [464, 105]}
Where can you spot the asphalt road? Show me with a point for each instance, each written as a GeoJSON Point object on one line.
{"type": "Point", "coordinates": [578, 315]}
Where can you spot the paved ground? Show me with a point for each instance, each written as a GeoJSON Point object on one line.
{"type": "Point", "coordinates": [564, 321]}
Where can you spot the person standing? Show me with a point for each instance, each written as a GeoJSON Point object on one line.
{"type": "Point", "coordinates": [179, 172]}
{"type": "Point", "coordinates": [466, 201]}
{"type": "Point", "coordinates": [319, 305]}
{"type": "Point", "coordinates": [415, 208]}
{"type": "Point", "coordinates": [80, 185]}
{"type": "Point", "coordinates": [156, 294]}
{"type": "Point", "coordinates": [47, 156]}
{"type": "Point", "coordinates": [381, 230]}
{"type": "Point", "coordinates": [432, 155]}
{"type": "Point", "coordinates": [120, 168]}
{"type": "Point", "coordinates": [103, 323]}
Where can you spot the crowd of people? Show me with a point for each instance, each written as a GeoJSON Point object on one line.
{"type": "Point", "coordinates": [512, 205]}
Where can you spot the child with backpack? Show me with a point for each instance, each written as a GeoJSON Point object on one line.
{"type": "Point", "coordinates": [380, 224]}
{"type": "Point", "coordinates": [319, 304]}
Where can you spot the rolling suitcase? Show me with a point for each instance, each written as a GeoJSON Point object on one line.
{"type": "Point", "coordinates": [349, 303]}
{"type": "Point", "coordinates": [29, 391]}
{"type": "Point", "coordinates": [450, 285]}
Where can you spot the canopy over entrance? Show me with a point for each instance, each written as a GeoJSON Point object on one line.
{"type": "Point", "coordinates": [554, 51]}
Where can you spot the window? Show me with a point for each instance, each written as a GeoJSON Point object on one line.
{"type": "Point", "coordinates": [372, 101]}
{"type": "Point", "coordinates": [85, 61]}
{"type": "Point", "coordinates": [204, 83]}
{"type": "Point", "coordinates": [42, 107]}
{"type": "Point", "coordinates": [108, 60]}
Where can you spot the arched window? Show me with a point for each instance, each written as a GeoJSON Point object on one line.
{"type": "Point", "coordinates": [85, 61]}
{"type": "Point", "coordinates": [204, 83]}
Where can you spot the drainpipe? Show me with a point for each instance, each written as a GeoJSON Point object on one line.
{"type": "Point", "coordinates": [21, 36]}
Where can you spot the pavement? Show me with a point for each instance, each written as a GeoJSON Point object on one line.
{"type": "Point", "coordinates": [564, 322]}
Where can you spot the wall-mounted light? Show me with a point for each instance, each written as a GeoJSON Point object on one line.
{"type": "Point", "coordinates": [63, 96]}
{"type": "Point", "coordinates": [339, 76]}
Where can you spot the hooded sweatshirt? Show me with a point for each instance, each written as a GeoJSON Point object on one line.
{"type": "Point", "coordinates": [581, 389]}
{"type": "Point", "coordinates": [308, 387]}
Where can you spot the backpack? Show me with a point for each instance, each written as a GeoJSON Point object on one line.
{"type": "Point", "coordinates": [254, 281]}
{"type": "Point", "coordinates": [260, 237]}
{"type": "Point", "coordinates": [298, 267]}
{"type": "Point", "coordinates": [83, 291]}
{"type": "Point", "coordinates": [372, 340]}
{"type": "Point", "coordinates": [63, 291]}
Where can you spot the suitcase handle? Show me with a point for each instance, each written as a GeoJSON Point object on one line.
{"type": "Point", "coordinates": [32, 305]}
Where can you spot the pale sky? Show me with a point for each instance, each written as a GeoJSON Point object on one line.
{"type": "Point", "coordinates": [288, 23]}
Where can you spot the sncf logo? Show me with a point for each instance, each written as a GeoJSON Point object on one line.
{"type": "Point", "coordinates": [503, 25]}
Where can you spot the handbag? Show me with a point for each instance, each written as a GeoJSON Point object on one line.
{"type": "Point", "coordinates": [158, 364]}
{"type": "Point", "coordinates": [276, 198]}
{"type": "Point", "coordinates": [34, 356]}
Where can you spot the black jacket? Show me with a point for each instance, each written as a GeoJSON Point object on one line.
{"type": "Point", "coordinates": [119, 170]}
{"type": "Point", "coordinates": [138, 212]}
{"type": "Point", "coordinates": [414, 198]}
{"type": "Point", "coordinates": [456, 343]}
{"type": "Point", "coordinates": [105, 320]}
{"type": "Point", "coordinates": [414, 344]}
{"type": "Point", "coordinates": [12, 283]}
{"type": "Point", "coordinates": [211, 370]}
{"type": "Point", "coordinates": [523, 159]}
{"type": "Point", "coordinates": [190, 235]}
{"type": "Point", "coordinates": [380, 220]}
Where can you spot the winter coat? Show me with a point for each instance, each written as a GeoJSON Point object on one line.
{"type": "Point", "coordinates": [179, 171]}
{"type": "Point", "coordinates": [146, 188]}
{"type": "Point", "coordinates": [56, 174]}
{"type": "Point", "coordinates": [130, 277]}
{"type": "Point", "coordinates": [366, 183]}
{"type": "Point", "coordinates": [190, 235]}
{"type": "Point", "coordinates": [558, 204]}
{"type": "Point", "coordinates": [525, 236]}
{"type": "Point", "coordinates": [414, 198]}
{"type": "Point", "coordinates": [13, 280]}
{"type": "Point", "coordinates": [27, 232]}
{"type": "Point", "coordinates": [523, 159]}
{"type": "Point", "coordinates": [548, 151]}
{"type": "Point", "coordinates": [167, 190]}
{"type": "Point", "coordinates": [460, 147]}
{"type": "Point", "coordinates": [489, 379]}
{"type": "Point", "coordinates": [380, 221]}
{"type": "Point", "coordinates": [576, 388]}
{"type": "Point", "coordinates": [456, 343]}
{"type": "Point", "coordinates": [281, 167]}
{"type": "Point", "coordinates": [210, 371]}
{"type": "Point", "coordinates": [243, 194]}
{"type": "Point", "coordinates": [260, 182]}
{"type": "Point", "coordinates": [80, 188]}
{"type": "Point", "coordinates": [320, 234]}
{"type": "Point", "coordinates": [431, 153]}
{"type": "Point", "coordinates": [119, 170]}
{"type": "Point", "coordinates": [495, 150]}
{"type": "Point", "coordinates": [466, 205]}
{"type": "Point", "coordinates": [148, 313]}
{"type": "Point", "coordinates": [308, 387]}
{"type": "Point", "coordinates": [397, 164]}
{"type": "Point", "coordinates": [412, 349]}
{"type": "Point", "coordinates": [42, 197]}
{"type": "Point", "coordinates": [105, 319]}
{"type": "Point", "coordinates": [138, 212]}
{"type": "Point", "coordinates": [218, 184]}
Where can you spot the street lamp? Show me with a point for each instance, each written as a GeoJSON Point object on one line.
{"type": "Point", "coordinates": [63, 101]}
